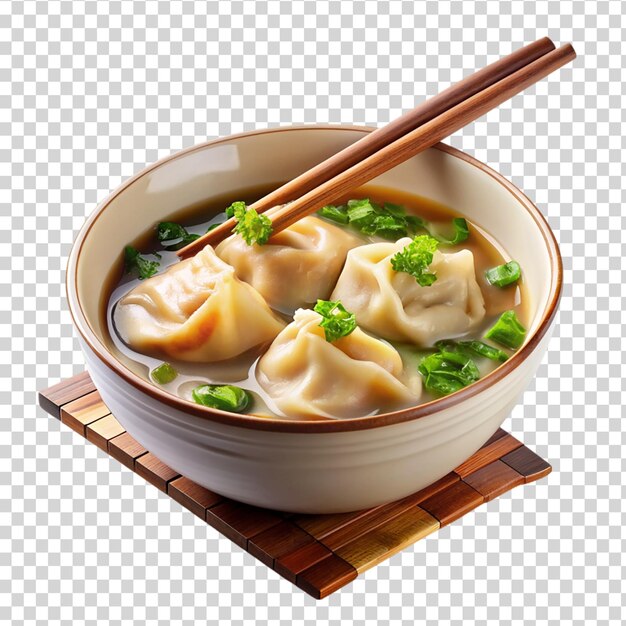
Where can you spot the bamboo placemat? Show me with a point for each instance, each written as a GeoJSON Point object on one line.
{"type": "Point", "coordinates": [318, 553]}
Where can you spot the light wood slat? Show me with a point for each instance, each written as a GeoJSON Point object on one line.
{"type": "Point", "coordinates": [384, 541]}
{"type": "Point", "coordinates": [53, 398]}
{"type": "Point", "coordinates": [155, 471]}
{"type": "Point", "coordinates": [192, 496]}
{"type": "Point", "coordinates": [81, 412]}
{"type": "Point", "coordinates": [487, 454]}
{"type": "Point", "coordinates": [126, 450]}
{"type": "Point", "coordinates": [100, 431]}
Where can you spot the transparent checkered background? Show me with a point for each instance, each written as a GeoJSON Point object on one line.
{"type": "Point", "coordinates": [91, 92]}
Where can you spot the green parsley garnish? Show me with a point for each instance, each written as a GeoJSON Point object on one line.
{"type": "Point", "coordinates": [173, 236]}
{"type": "Point", "coordinates": [163, 374]}
{"type": "Point", "coordinates": [446, 372]}
{"type": "Point", "coordinates": [224, 397]}
{"type": "Point", "coordinates": [253, 228]}
{"type": "Point", "coordinates": [336, 321]}
{"type": "Point", "coordinates": [133, 260]}
{"type": "Point", "coordinates": [390, 221]}
{"type": "Point", "coordinates": [415, 258]}
{"type": "Point", "coordinates": [508, 331]}
{"type": "Point", "coordinates": [504, 275]}
{"type": "Point", "coordinates": [473, 346]}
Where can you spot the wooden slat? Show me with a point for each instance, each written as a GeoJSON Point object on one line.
{"type": "Point", "coordinates": [155, 471]}
{"type": "Point", "coordinates": [277, 541]}
{"type": "Point", "coordinates": [53, 398]}
{"type": "Point", "coordinates": [126, 450]}
{"type": "Point", "coordinates": [497, 435]}
{"type": "Point", "coordinates": [293, 563]}
{"type": "Point", "coordinates": [100, 431]}
{"type": "Point", "coordinates": [530, 465]}
{"type": "Point", "coordinates": [321, 525]}
{"type": "Point", "coordinates": [487, 454]}
{"type": "Point", "coordinates": [384, 541]}
{"type": "Point", "coordinates": [192, 496]}
{"type": "Point", "coordinates": [452, 503]}
{"type": "Point", "coordinates": [326, 576]}
{"type": "Point", "coordinates": [81, 412]}
{"type": "Point", "coordinates": [494, 479]}
{"type": "Point", "coordinates": [239, 521]}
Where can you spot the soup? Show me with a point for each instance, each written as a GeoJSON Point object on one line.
{"type": "Point", "coordinates": [380, 301]}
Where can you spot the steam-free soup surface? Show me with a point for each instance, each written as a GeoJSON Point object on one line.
{"type": "Point", "coordinates": [241, 370]}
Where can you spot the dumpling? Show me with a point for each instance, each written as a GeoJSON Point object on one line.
{"type": "Point", "coordinates": [197, 310]}
{"type": "Point", "coordinates": [306, 376]}
{"type": "Point", "coordinates": [393, 305]}
{"type": "Point", "coordinates": [298, 266]}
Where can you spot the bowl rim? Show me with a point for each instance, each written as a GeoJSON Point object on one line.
{"type": "Point", "coordinates": [315, 426]}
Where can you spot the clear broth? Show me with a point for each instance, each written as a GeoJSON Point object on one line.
{"type": "Point", "coordinates": [241, 370]}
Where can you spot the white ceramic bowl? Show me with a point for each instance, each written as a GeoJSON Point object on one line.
{"type": "Point", "coordinates": [325, 466]}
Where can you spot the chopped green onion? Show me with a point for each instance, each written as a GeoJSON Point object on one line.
{"type": "Point", "coordinates": [504, 275]}
{"type": "Point", "coordinates": [336, 321]}
{"type": "Point", "coordinates": [252, 227]}
{"type": "Point", "coordinates": [508, 331]}
{"type": "Point", "coordinates": [163, 374]}
{"type": "Point", "coordinates": [335, 213]}
{"type": "Point", "coordinates": [446, 372]}
{"type": "Point", "coordinates": [224, 397]}
{"type": "Point", "coordinates": [133, 260]}
{"type": "Point", "coordinates": [415, 258]}
{"type": "Point", "coordinates": [173, 236]}
{"type": "Point", "coordinates": [483, 349]}
{"type": "Point", "coordinates": [213, 226]}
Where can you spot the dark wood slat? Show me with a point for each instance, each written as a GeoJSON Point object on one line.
{"type": "Point", "coordinates": [530, 465]}
{"type": "Point", "coordinates": [326, 576]}
{"type": "Point", "coordinates": [319, 526]}
{"type": "Point", "coordinates": [494, 479]}
{"type": "Point", "coordinates": [125, 449]}
{"type": "Point", "coordinates": [292, 564]}
{"type": "Point", "coordinates": [439, 485]}
{"type": "Point", "coordinates": [278, 541]}
{"type": "Point", "coordinates": [100, 431]}
{"type": "Point", "coordinates": [52, 399]}
{"type": "Point", "coordinates": [192, 496]}
{"type": "Point", "coordinates": [487, 454]}
{"type": "Point", "coordinates": [239, 521]}
{"type": "Point", "coordinates": [155, 471]}
{"type": "Point", "coordinates": [452, 503]}
{"type": "Point", "coordinates": [81, 412]}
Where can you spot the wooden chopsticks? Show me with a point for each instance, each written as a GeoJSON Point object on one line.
{"type": "Point", "coordinates": [403, 138]}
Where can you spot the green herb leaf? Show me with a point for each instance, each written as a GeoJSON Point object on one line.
{"type": "Point", "coordinates": [507, 331]}
{"type": "Point", "coordinates": [336, 321]}
{"type": "Point", "coordinates": [173, 236]}
{"type": "Point", "coordinates": [230, 211]}
{"type": "Point", "coordinates": [135, 261]}
{"type": "Point", "coordinates": [335, 213]}
{"type": "Point", "coordinates": [252, 227]}
{"type": "Point", "coordinates": [446, 372]}
{"type": "Point", "coordinates": [415, 258]}
{"type": "Point", "coordinates": [504, 275]}
{"type": "Point", "coordinates": [484, 349]}
{"type": "Point", "coordinates": [224, 397]}
{"type": "Point", "coordinates": [163, 374]}
{"type": "Point", "coordinates": [461, 232]}
{"type": "Point", "coordinates": [213, 226]}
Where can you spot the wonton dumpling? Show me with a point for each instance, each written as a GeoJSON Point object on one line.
{"type": "Point", "coordinates": [307, 376]}
{"type": "Point", "coordinates": [298, 266]}
{"type": "Point", "coordinates": [197, 310]}
{"type": "Point", "coordinates": [393, 305]}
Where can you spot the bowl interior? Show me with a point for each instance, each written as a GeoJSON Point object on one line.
{"type": "Point", "coordinates": [226, 166]}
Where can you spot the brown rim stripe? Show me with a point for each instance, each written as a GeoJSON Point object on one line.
{"type": "Point", "coordinates": [383, 419]}
{"type": "Point", "coordinates": [346, 544]}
